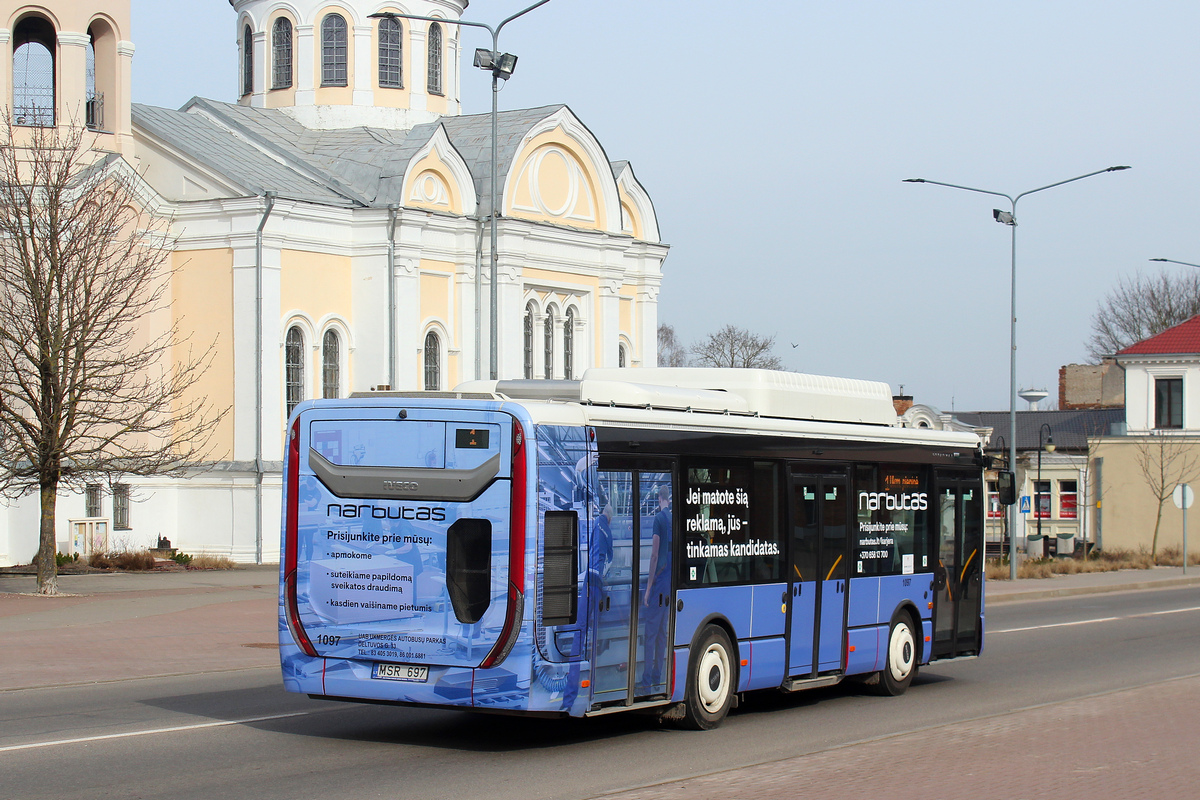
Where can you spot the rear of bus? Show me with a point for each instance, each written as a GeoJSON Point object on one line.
{"type": "Point", "coordinates": [403, 568]}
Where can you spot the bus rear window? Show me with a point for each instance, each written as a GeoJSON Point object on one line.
{"type": "Point", "coordinates": [469, 568]}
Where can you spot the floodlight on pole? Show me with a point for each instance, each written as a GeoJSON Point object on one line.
{"type": "Point", "coordinates": [1010, 219]}
{"type": "Point", "coordinates": [501, 65]}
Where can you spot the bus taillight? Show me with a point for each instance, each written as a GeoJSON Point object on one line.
{"type": "Point", "coordinates": [516, 556]}
{"type": "Point", "coordinates": [291, 540]}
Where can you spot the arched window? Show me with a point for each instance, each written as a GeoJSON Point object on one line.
{"type": "Point", "coordinates": [569, 345]}
{"type": "Point", "coordinates": [435, 58]}
{"type": "Point", "coordinates": [433, 358]}
{"type": "Point", "coordinates": [548, 343]}
{"type": "Point", "coordinates": [281, 54]}
{"type": "Point", "coordinates": [93, 107]}
{"type": "Point", "coordinates": [293, 365]}
{"type": "Point", "coordinates": [529, 341]}
{"type": "Point", "coordinates": [331, 365]}
{"type": "Point", "coordinates": [622, 358]}
{"type": "Point", "coordinates": [334, 50]}
{"type": "Point", "coordinates": [34, 43]}
{"type": "Point", "coordinates": [391, 69]}
{"type": "Point", "coordinates": [247, 60]}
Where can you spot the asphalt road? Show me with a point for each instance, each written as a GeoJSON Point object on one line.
{"type": "Point", "coordinates": [238, 735]}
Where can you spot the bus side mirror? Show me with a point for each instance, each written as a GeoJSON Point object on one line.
{"type": "Point", "coordinates": [1006, 490]}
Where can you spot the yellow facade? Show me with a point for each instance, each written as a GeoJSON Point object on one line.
{"type": "Point", "coordinates": [432, 185]}
{"type": "Point", "coordinates": [1127, 504]}
{"type": "Point", "coordinates": [202, 309]}
{"type": "Point", "coordinates": [556, 182]}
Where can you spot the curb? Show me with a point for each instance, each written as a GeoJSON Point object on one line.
{"type": "Point", "coordinates": [1070, 591]}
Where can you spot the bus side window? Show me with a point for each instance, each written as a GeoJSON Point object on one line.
{"type": "Point", "coordinates": [560, 571]}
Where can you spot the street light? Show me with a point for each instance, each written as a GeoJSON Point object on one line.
{"type": "Point", "coordinates": [501, 65]}
{"type": "Point", "coordinates": [1010, 218]}
{"type": "Point", "coordinates": [1173, 261]}
{"type": "Point", "coordinates": [1037, 494]}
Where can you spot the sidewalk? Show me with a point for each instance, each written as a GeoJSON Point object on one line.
{"type": "Point", "coordinates": [129, 625]}
{"type": "Point", "coordinates": [1126, 580]}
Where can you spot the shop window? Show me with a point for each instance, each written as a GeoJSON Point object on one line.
{"type": "Point", "coordinates": [1041, 501]}
{"type": "Point", "coordinates": [1068, 500]}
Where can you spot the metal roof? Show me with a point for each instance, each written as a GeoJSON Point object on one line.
{"type": "Point", "coordinates": [1070, 429]}
{"type": "Point", "coordinates": [263, 149]}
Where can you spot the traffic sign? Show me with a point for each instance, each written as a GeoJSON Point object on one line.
{"type": "Point", "coordinates": [1183, 496]}
{"type": "Point", "coordinates": [1024, 504]}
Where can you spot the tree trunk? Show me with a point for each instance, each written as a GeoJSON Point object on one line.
{"type": "Point", "coordinates": [1157, 524]}
{"type": "Point", "coordinates": [47, 570]}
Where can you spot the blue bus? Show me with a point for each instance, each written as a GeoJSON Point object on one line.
{"type": "Point", "coordinates": [649, 539]}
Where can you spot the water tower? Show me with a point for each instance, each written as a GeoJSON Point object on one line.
{"type": "Point", "coordinates": [1033, 397]}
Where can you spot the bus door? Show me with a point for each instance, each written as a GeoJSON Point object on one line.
{"type": "Point", "coordinates": [630, 644]}
{"type": "Point", "coordinates": [958, 573]}
{"type": "Point", "coordinates": [819, 574]}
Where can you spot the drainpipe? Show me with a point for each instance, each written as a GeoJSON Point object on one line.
{"type": "Point", "coordinates": [393, 214]}
{"type": "Point", "coordinates": [478, 298]}
{"type": "Point", "coordinates": [258, 379]}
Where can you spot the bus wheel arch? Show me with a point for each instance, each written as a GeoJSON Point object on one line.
{"type": "Point", "coordinates": [712, 677]}
{"type": "Point", "coordinates": [902, 654]}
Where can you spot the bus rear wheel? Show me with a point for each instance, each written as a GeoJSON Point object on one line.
{"type": "Point", "coordinates": [711, 680]}
{"type": "Point", "coordinates": [901, 665]}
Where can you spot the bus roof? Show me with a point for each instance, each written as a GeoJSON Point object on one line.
{"type": "Point", "coordinates": [753, 392]}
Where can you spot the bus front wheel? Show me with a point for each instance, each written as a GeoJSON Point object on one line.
{"type": "Point", "coordinates": [901, 665]}
{"type": "Point", "coordinates": [711, 680]}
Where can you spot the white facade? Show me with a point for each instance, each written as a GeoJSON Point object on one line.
{"type": "Point", "coordinates": [293, 219]}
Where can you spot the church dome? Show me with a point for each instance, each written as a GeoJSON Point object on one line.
{"type": "Point", "coordinates": [349, 63]}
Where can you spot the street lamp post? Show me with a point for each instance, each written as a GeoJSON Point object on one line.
{"type": "Point", "coordinates": [1173, 261]}
{"type": "Point", "coordinates": [1004, 524]}
{"type": "Point", "coordinates": [1037, 489]}
{"type": "Point", "coordinates": [1010, 218]}
{"type": "Point", "coordinates": [501, 65]}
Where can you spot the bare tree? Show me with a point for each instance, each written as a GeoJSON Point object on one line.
{"type": "Point", "coordinates": [671, 352]}
{"type": "Point", "coordinates": [736, 347]}
{"type": "Point", "coordinates": [1141, 307]}
{"type": "Point", "coordinates": [95, 379]}
{"type": "Point", "coordinates": [1165, 462]}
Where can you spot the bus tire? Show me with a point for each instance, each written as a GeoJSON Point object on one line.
{"type": "Point", "coordinates": [711, 680]}
{"type": "Point", "coordinates": [900, 665]}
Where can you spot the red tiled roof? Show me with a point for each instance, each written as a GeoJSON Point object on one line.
{"type": "Point", "coordinates": [1183, 338]}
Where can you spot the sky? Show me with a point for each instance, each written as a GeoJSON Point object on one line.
{"type": "Point", "coordinates": [774, 140]}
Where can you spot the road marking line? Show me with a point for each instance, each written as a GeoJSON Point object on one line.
{"type": "Point", "coordinates": [1090, 621]}
{"type": "Point", "coordinates": [152, 731]}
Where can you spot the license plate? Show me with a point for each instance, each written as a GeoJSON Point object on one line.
{"type": "Point", "coordinates": [401, 672]}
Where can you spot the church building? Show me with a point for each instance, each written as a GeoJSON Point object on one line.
{"type": "Point", "coordinates": [333, 236]}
